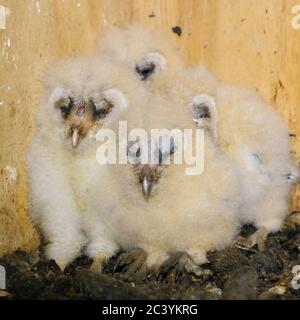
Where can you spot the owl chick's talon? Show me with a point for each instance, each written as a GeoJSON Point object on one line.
{"type": "Point", "coordinates": [98, 263]}
{"type": "Point", "coordinates": [130, 263]}
{"type": "Point", "coordinates": [180, 264]}
{"type": "Point", "coordinates": [196, 270]}
{"type": "Point", "coordinates": [61, 265]}
{"type": "Point", "coordinates": [174, 267]}
{"type": "Point", "coordinates": [152, 273]}
{"type": "Point", "coordinates": [257, 238]}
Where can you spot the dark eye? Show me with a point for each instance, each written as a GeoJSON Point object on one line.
{"type": "Point", "coordinates": [134, 150]}
{"type": "Point", "coordinates": [65, 110]}
{"type": "Point", "coordinates": [165, 151]}
{"type": "Point", "coordinates": [65, 106]}
{"type": "Point", "coordinates": [138, 153]}
{"type": "Point", "coordinates": [146, 70]}
{"type": "Point", "coordinates": [202, 112]}
{"type": "Point", "coordinates": [101, 109]}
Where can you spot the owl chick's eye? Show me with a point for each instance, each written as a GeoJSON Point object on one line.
{"type": "Point", "coordinates": [145, 70]}
{"type": "Point", "coordinates": [134, 150]}
{"type": "Point", "coordinates": [150, 63]}
{"type": "Point", "coordinates": [204, 108]}
{"type": "Point", "coordinates": [202, 112]}
{"type": "Point", "coordinates": [166, 150]}
{"type": "Point", "coordinates": [65, 106]}
{"type": "Point", "coordinates": [101, 108]}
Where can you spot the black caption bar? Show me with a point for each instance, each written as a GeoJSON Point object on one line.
{"type": "Point", "coordinates": [135, 309]}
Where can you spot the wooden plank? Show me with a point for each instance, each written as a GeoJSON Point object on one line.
{"type": "Point", "coordinates": [247, 42]}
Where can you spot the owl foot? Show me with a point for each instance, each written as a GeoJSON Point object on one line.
{"type": "Point", "coordinates": [154, 260]}
{"type": "Point", "coordinates": [292, 221]}
{"type": "Point", "coordinates": [98, 263]}
{"type": "Point", "coordinates": [178, 265]}
{"type": "Point", "coordinates": [152, 273]}
{"type": "Point", "coordinates": [257, 238]}
{"type": "Point", "coordinates": [131, 263]}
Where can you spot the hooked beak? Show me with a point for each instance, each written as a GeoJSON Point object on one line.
{"type": "Point", "coordinates": [146, 187]}
{"type": "Point", "coordinates": [79, 116]}
{"type": "Point", "coordinates": [75, 138]}
{"type": "Point", "coordinates": [146, 180]}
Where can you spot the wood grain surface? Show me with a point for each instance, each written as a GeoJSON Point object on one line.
{"type": "Point", "coordinates": [249, 42]}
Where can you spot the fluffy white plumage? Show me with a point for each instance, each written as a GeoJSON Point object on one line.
{"type": "Point", "coordinates": [68, 188]}
{"type": "Point", "coordinates": [188, 213]}
{"type": "Point", "coordinates": [140, 78]}
{"type": "Point", "coordinates": [77, 202]}
{"type": "Point", "coordinates": [243, 125]}
{"type": "Point", "coordinates": [256, 139]}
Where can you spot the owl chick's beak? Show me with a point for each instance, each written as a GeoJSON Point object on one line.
{"type": "Point", "coordinates": [75, 138]}
{"type": "Point", "coordinates": [78, 122]}
{"type": "Point", "coordinates": [146, 187]}
{"type": "Point", "coordinates": [146, 180]}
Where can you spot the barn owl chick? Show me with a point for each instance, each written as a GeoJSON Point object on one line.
{"type": "Point", "coordinates": [256, 139]}
{"type": "Point", "coordinates": [68, 188]}
{"type": "Point", "coordinates": [239, 121]}
{"type": "Point", "coordinates": [162, 208]}
{"type": "Point", "coordinates": [156, 61]}
{"type": "Point", "coordinates": [152, 57]}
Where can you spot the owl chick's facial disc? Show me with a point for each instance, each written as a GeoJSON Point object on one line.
{"type": "Point", "coordinates": [81, 114]}
{"type": "Point", "coordinates": [150, 173]}
{"type": "Point", "coordinates": [94, 100]}
{"type": "Point", "coordinates": [70, 190]}
{"type": "Point", "coordinates": [142, 51]}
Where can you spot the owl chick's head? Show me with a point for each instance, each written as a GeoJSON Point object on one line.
{"type": "Point", "coordinates": [156, 162]}
{"type": "Point", "coordinates": [83, 96]}
{"type": "Point", "coordinates": [81, 114]}
{"type": "Point", "coordinates": [148, 173]}
{"type": "Point", "coordinates": [155, 60]}
{"type": "Point", "coordinates": [146, 52]}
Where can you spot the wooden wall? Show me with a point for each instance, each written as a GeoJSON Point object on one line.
{"type": "Point", "coordinates": [250, 42]}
